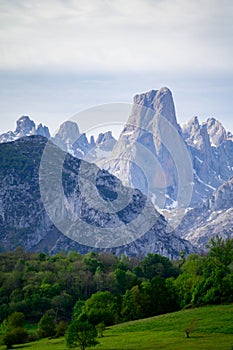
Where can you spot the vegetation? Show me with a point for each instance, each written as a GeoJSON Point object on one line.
{"type": "Point", "coordinates": [81, 334]}
{"type": "Point", "coordinates": [100, 289]}
{"type": "Point", "coordinates": [213, 331]}
{"type": "Point", "coordinates": [46, 326]}
{"type": "Point", "coordinates": [13, 330]}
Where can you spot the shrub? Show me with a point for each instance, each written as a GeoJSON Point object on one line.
{"type": "Point", "coordinates": [46, 326]}
{"type": "Point", "coordinates": [15, 336]}
{"type": "Point", "coordinates": [60, 329]}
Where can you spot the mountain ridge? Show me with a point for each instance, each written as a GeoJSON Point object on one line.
{"type": "Point", "coordinates": [142, 158]}
{"type": "Point", "coordinates": [24, 221]}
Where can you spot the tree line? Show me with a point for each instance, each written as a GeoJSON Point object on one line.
{"type": "Point", "coordinates": [101, 288]}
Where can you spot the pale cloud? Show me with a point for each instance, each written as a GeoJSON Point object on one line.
{"type": "Point", "coordinates": [116, 35]}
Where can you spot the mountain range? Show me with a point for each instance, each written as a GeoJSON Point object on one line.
{"type": "Point", "coordinates": [185, 171]}
{"type": "Point", "coordinates": [35, 215]}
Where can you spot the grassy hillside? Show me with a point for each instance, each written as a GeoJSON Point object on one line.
{"type": "Point", "coordinates": [214, 330]}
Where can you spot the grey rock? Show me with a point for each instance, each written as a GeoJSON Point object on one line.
{"type": "Point", "coordinates": [43, 131]}
{"type": "Point", "coordinates": [213, 217]}
{"type": "Point", "coordinates": [216, 132]}
{"type": "Point", "coordinates": [142, 154]}
{"type": "Point", "coordinates": [25, 222]}
{"type": "Point", "coordinates": [24, 127]}
{"type": "Point", "coordinates": [150, 153]}
{"type": "Point", "coordinates": [68, 133]}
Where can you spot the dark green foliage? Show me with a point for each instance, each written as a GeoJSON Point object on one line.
{"type": "Point", "coordinates": [46, 326]}
{"type": "Point", "coordinates": [157, 265]}
{"type": "Point", "coordinates": [207, 279]}
{"type": "Point", "coordinates": [110, 289]}
{"type": "Point", "coordinates": [16, 320]}
{"type": "Point", "coordinates": [81, 334]}
{"type": "Point", "coordinates": [221, 251]}
{"type": "Point", "coordinates": [60, 329]}
{"type": "Point", "coordinates": [15, 336]}
{"type": "Point", "coordinates": [12, 330]}
{"type": "Point", "coordinates": [78, 308]}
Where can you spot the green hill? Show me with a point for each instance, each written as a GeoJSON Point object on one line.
{"type": "Point", "coordinates": [214, 330]}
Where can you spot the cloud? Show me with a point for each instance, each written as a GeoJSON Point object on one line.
{"type": "Point", "coordinates": [116, 35]}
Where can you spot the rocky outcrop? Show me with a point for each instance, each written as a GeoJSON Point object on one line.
{"type": "Point", "coordinates": [51, 201]}
{"type": "Point", "coordinates": [67, 134]}
{"type": "Point", "coordinates": [210, 147]}
{"type": "Point", "coordinates": [164, 160]}
{"type": "Point", "coordinates": [146, 154]}
{"type": "Point", "coordinates": [68, 138]}
{"type": "Point", "coordinates": [216, 131]}
{"type": "Point", "coordinates": [106, 139]}
{"type": "Point", "coordinates": [24, 127]}
{"type": "Point", "coordinates": [214, 217]}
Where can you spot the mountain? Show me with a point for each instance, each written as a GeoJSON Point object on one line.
{"type": "Point", "coordinates": [185, 171]}
{"type": "Point", "coordinates": [214, 217]}
{"type": "Point", "coordinates": [68, 138]}
{"type": "Point", "coordinates": [71, 140]}
{"type": "Point", "coordinates": [176, 166]}
{"type": "Point", "coordinates": [211, 149]}
{"type": "Point", "coordinates": [25, 127]}
{"type": "Point", "coordinates": [140, 157]}
{"type": "Point", "coordinates": [41, 185]}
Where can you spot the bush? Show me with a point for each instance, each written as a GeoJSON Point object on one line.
{"type": "Point", "coordinates": [60, 329]}
{"type": "Point", "coordinates": [46, 326]}
{"type": "Point", "coordinates": [15, 336]}
{"type": "Point", "coordinates": [33, 336]}
{"type": "Point", "coordinates": [16, 320]}
{"type": "Point", "coordinates": [100, 329]}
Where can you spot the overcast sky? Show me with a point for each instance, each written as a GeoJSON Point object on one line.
{"type": "Point", "coordinates": [58, 57]}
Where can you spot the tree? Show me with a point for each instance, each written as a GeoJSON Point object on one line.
{"type": "Point", "coordinates": [221, 251]}
{"type": "Point", "coordinates": [16, 320]}
{"type": "Point", "coordinates": [13, 330]}
{"type": "Point", "coordinates": [135, 304]}
{"type": "Point", "coordinates": [191, 327]}
{"type": "Point", "coordinates": [158, 265]}
{"type": "Point", "coordinates": [81, 334]}
{"type": "Point", "coordinates": [15, 336]}
{"type": "Point", "coordinates": [46, 326]}
{"type": "Point", "coordinates": [60, 329]}
{"type": "Point", "coordinates": [3, 330]}
{"type": "Point", "coordinates": [102, 307]}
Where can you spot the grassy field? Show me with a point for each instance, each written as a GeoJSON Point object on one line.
{"type": "Point", "coordinates": [214, 331]}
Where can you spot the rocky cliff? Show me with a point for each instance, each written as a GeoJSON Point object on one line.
{"type": "Point", "coordinates": [25, 127]}
{"type": "Point", "coordinates": [28, 185]}
{"type": "Point", "coordinates": [164, 160]}
{"type": "Point", "coordinates": [213, 217]}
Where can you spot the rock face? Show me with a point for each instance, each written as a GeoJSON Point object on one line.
{"type": "Point", "coordinates": [144, 152]}
{"type": "Point", "coordinates": [25, 127]}
{"type": "Point", "coordinates": [211, 150]}
{"type": "Point", "coordinates": [151, 153]}
{"type": "Point", "coordinates": [106, 139]}
{"type": "Point", "coordinates": [67, 134]}
{"type": "Point", "coordinates": [214, 217]}
{"type": "Point", "coordinates": [216, 132]}
{"type": "Point", "coordinates": [181, 169]}
{"type": "Point", "coordinates": [160, 101]}
{"type": "Point", "coordinates": [68, 138]}
{"type": "Point", "coordinates": [23, 199]}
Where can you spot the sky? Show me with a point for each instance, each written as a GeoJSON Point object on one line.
{"type": "Point", "coordinates": [59, 57]}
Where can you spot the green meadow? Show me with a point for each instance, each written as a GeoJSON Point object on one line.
{"type": "Point", "coordinates": [213, 330]}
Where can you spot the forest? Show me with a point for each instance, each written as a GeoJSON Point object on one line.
{"type": "Point", "coordinates": [104, 289]}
